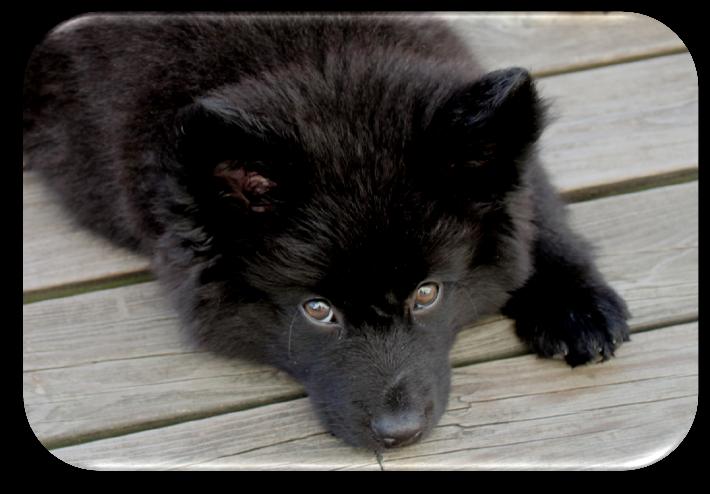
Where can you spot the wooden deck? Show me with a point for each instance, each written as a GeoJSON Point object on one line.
{"type": "Point", "coordinates": [110, 383]}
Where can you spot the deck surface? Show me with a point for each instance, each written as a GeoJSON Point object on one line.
{"type": "Point", "coordinates": [110, 382]}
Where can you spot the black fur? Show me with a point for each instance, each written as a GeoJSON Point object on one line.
{"type": "Point", "coordinates": [265, 161]}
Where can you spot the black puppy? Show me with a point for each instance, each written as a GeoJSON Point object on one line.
{"type": "Point", "coordinates": [336, 196]}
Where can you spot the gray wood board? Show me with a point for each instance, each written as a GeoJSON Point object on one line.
{"type": "Point", "coordinates": [57, 251]}
{"type": "Point", "coordinates": [629, 122]}
{"type": "Point", "coordinates": [553, 42]}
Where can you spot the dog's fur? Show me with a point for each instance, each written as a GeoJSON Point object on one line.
{"type": "Point", "coordinates": [262, 161]}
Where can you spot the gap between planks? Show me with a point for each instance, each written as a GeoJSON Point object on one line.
{"type": "Point", "coordinates": [608, 63]}
{"type": "Point", "coordinates": [86, 286]}
{"type": "Point", "coordinates": [583, 194]}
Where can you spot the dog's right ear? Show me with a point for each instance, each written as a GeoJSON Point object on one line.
{"type": "Point", "coordinates": [225, 152]}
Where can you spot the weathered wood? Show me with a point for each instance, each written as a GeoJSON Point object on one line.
{"type": "Point", "coordinates": [621, 415]}
{"type": "Point", "coordinates": [122, 323]}
{"type": "Point", "coordinates": [57, 251]}
{"type": "Point", "coordinates": [115, 359]}
{"type": "Point", "coordinates": [626, 413]}
{"type": "Point", "coordinates": [618, 123]}
{"type": "Point", "coordinates": [554, 42]}
{"type": "Point", "coordinates": [623, 123]}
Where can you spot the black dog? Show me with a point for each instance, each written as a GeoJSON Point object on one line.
{"type": "Point", "coordinates": [336, 196]}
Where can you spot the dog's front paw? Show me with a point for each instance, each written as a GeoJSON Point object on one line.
{"type": "Point", "coordinates": [583, 326]}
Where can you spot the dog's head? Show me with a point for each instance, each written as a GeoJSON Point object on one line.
{"type": "Point", "coordinates": [356, 226]}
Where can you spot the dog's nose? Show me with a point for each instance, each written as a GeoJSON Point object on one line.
{"type": "Point", "coordinates": [398, 429]}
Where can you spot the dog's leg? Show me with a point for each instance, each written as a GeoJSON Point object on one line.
{"type": "Point", "coordinates": [566, 307]}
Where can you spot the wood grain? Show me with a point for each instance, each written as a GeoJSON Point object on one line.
{"type": "Point", "coordinates": [618, 123]}
{"type": "Point", "coordinates": [114, 360]}
{"type": "Point", "coordinates": [57, 251]}
{"type": "Point", "coordinates": [621, 123]}
{"type": "Point", "coordinates": [626, 413]}
{"type": "Point", "coordinates": [553, 42]}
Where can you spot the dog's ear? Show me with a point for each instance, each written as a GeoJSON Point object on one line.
{"type": "Point", "coordinates": [487, 128]}
{"type": "Point", "coordinates": [224, 153]}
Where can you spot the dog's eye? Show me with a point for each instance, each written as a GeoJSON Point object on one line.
{"type": "Point", "coordinates": [426, 295]}
{"type": "Point", "coordinates": [319, 310]}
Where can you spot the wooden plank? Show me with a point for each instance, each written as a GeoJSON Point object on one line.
{"type": "Point", "coordinates": [57, 251]}
{"type": "Point", "coordinates": [554, 42]}
{"type": "Point", "coordinates": [617, 123]}
{"type": "Point", "coordinates": [114, 359]}
{"type": "Point", "coordinates": [623, 123]}
{"type": "Point", "coordinates": [122, 323]}
{"type": "Point", "coordinates": [521, 412]}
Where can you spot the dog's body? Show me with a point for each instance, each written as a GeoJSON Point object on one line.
{"type": "Point", "coordinates": [336, 196]}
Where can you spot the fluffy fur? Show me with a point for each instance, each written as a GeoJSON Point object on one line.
{"type": "Point", "coordinates": [266, 161]}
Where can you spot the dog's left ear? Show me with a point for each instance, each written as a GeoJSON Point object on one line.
{"type": "Point", "coordinates": [487, 127]}
{"type": "Point", "coordinates": [223, 152]}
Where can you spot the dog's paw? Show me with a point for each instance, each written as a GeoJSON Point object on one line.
{"type": "Point", "coordinates": [581, 327]}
